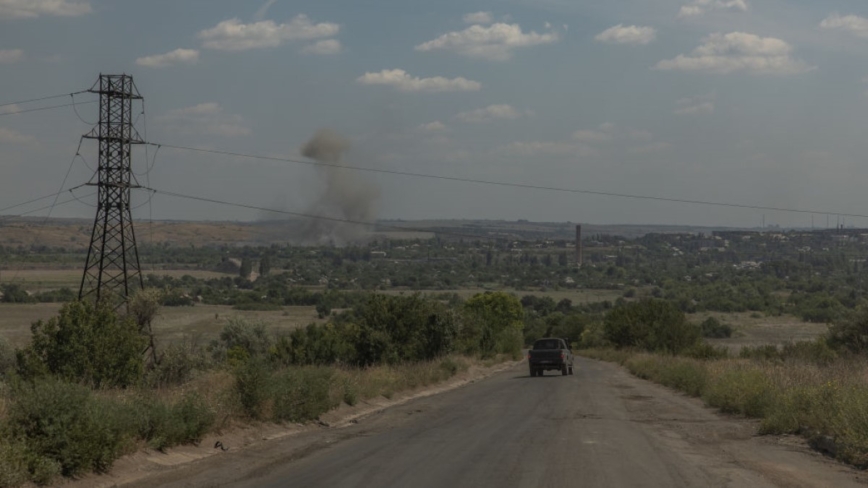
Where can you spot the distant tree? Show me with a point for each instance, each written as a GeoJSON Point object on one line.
{"type": "Point", "coordinates": [246, 267]}
{"type": "Point", "coordinates": [563, 260]}
{"type": "Point", "coordinates": [265, 265]}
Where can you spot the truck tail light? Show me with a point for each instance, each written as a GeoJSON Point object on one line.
{"type": "Point", "coordinates": [528, 356]}
{"type": "Point", "coordinates": [562, 355]}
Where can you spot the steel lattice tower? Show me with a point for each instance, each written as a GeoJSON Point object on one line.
{"type": "Point", "coordinates": [112, 271]}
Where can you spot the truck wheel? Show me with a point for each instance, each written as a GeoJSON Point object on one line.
{"type": "Point", "coordinates": [532, 372]}
{"type": "Point", "coordinates": [564, 370]}
{"type": "Point", "coordinates": [571, 370]}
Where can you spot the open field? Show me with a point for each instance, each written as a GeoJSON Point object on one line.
{"type": "Point", "coordinates": [36, 280]}
{"type": "Point", "coordinates": [761, 330]}
{"type": "Point", "coordinates": [199, 324]}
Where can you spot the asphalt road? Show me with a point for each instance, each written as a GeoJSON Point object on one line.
{"type": "Point", "coordinates": [598, 428]}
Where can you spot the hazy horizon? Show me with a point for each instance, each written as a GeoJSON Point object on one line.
{"type": "Point", "coordinates": [725, 101]}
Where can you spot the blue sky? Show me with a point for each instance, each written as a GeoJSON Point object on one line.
{"type": "Point", "coordinates": [743, 101]}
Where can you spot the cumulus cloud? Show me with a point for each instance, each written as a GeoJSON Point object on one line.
{"type": "Point", "coordinates": [206, 119]}
{"type": "Point", "coordinates": [592, 136]}
{"type": "Point", "coordinates": [28, 9]}
{"type": "Point", "coordinates": [695, 105]}
{"type": "Point", "coordinates": [738, 51]}
{"type": "Point", "coordinates": [402, 80]}
{"type": "Point", "coordinates": [323, 47]}
{"type": "Point", "coordinates": [699, 7]}
{"type": "Point", "coordinates": [627, 34]}
{"type": "Point", "coordinates": [11, 55]}
{"type": "Point", "coordinates": [178, 56]}
{"type": "Point", "coordinates": [853, 24]}
{"type": "Point", "coordinates": [549, 148]}
{"type": "Point", "coordinates": [9, 136]}
{"type": "Point", "coordinates": [233, 35]}
{"type": "Point", "coordinates": [432, 127]}
{"type": "Point", "coordinates": [478, 18]}
{"type": "Point", "coordinates": [489, 113]}
{"type": "Point", "coordinates": [495, 42]}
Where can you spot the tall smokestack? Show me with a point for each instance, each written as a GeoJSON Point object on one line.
{"type": "Point", "coordinates": [579, 246]}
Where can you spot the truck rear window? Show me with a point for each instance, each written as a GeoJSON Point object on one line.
{"type": "Point", "coordinates": [547, 344]}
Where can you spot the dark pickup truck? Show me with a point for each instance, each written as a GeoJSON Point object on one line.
{"type": "Point", "coordinates": [550, 354]}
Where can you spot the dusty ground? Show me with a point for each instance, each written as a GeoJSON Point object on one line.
{"type": "Point", "coordinates": [599, 428]}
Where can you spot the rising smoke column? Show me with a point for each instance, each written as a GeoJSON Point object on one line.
{"type": "Point", "coordinates": [345, 196]}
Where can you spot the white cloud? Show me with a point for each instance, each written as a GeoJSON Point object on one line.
{"type": "Point", "coordinates": [9, 136]}
{"type": "Point", "coordinates": [738, 51]}
{"type": "Point", "coordinates": [28, 9]}
{"type": "Point", "coordinates": [858, 26]}
{"type": "Point", "coordinates": [178, 56]}
{"type": "Point", "coordinates": [233, 35]}
{"type": "Point", "coordinates": [478, 18]}
{"type": "Point", "coordinates": [206, 119]}
{"type": "Point", "coordinates": [695, 105]}
{"type": "Point", "coordinates": [699, 7]}
{"type": "Point", "coordinates": [11, 55]}
{"type": "Point", "coordinates": [489, 113]}
{"type": "Point", "coordinates": [402, 80]}
{"type": "Point", "coordinates": [551, 148]}
{"type": "Point", "coordinates": [495, 42]}
{"type": "Point", "coordinates": [629, 34]}
{"type": "Point", "coordinates": [432, 127]}
{"type": "Point", "coordinates": [323, 47]}
{"type": "Point", "coordinates": [592, 136]}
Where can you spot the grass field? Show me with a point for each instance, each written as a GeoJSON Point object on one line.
{"type": "Point", "coordinates": [198, 324]}
{"type": "Point", "coordinates": [759, 330]}
{"type": "Point", "coordinates": [36, 280]}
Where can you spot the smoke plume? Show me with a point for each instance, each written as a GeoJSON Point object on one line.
{"type": "Point", "coordinates": [346, 195]}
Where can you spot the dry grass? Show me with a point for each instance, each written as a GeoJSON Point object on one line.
{"type": "Point", "coordinates": [761, 330]}
{"type": "Point", "coordinates": [827, 403]}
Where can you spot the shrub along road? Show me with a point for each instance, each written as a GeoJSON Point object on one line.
{"type": "Point", "coordinates": [599, 428]}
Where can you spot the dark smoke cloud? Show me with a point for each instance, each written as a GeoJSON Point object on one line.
{"type": "Point", "coordinates": [346, 195]}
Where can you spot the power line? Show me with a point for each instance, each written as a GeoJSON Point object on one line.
{"type": "Point", "coordinates": [29, 201]}
{"type": "Point", "coordinates": [508, 184]}
{"type": "Point", "coordinates": [52, 107]}
{"type": "Point", "coordinates": [42, 98]}
{"type": "Point", "coordinates": [321, 217]}
{"type": "Point", "coordinates": [53, 205]}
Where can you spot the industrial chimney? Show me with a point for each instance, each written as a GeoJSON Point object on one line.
{"type": "Point", "coordinates": [579, 246]}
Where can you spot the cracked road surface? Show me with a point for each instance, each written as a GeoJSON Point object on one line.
{"type": "Point", "coordinates": [599, 428]}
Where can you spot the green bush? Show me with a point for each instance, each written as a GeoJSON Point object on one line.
{"type": "Point", "coordinates": [743, 391]}
{"type": "Point", "coordinates": [175, 366]}
{"type": "Point", "coordinates": [251, 385]}
{"type": "Point", "coordinates": [715, 329]}
{"type": "Point", "coordinates": [651, 325]}
{"type": "Point", "coordinates": [65, 424]}
{"type": "Point", "coordinates": [241, 340]}
{"type": "Point", "coordinates": [705, 351]}
{"type": "Point", "coordinates": [850, 333]}
{"type": "Point", "coordinates": [301, 394]}
{"type": "Point", "coordinates": [85, 343]}
{"type": "Point", "coordinates": [163, 425]}
{"type": "Point", "coordinates": [7, 359]}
